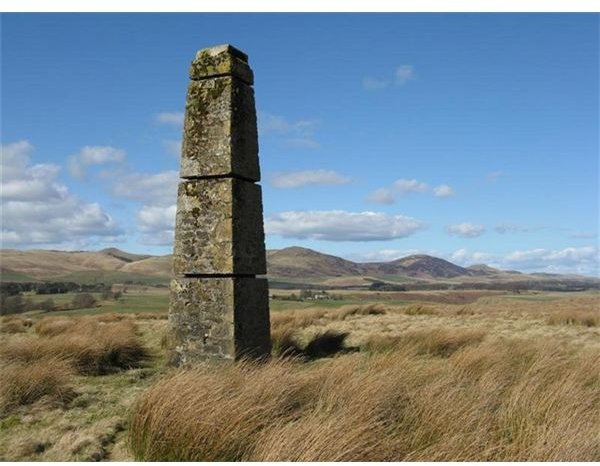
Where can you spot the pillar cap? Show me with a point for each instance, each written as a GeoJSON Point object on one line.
{"type": "Point", "coordinates": [221, 60]}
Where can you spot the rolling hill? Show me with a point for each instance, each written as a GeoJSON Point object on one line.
{"type": "Point", "coordinates": [293, 265]}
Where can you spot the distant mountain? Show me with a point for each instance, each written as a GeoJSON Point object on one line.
{"type": "Point", "coordinates": [290, 265]}
{"type": "Point", "coordinates": [125, 256]}
{"type": "Point", "coordinates": [419, 266]}
{"type": "Point", "coordinates": [303, 262]}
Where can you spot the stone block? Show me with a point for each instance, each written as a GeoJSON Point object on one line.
{"type": "Point", "coordinates": [220, 135]}
{"type": "Point", "coordinates": [219, 318]}
{"type": "Point", "coordinates": [219, 228]}
{"type": "Point", "coordinates": [221, 60]}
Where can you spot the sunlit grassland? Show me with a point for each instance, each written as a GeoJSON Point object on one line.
{"type": "Point", "coordinates": [496, 378]}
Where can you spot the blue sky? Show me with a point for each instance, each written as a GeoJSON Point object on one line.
{"type": "Point", "coordinates": [472, 137]}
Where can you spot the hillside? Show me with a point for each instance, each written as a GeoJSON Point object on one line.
{"type": "Point", "coordinates": [293, 265]}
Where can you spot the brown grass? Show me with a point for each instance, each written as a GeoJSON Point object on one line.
{"type": "Point", "coordinates": [575, 317]}
{"type": "Point", "coordinates": [89, 345]}
{"type": "Point", "coordinates": [420, 310]}
{"type": "Point", "coordinates": [14, 324]}
{"type": "Point", "coordinates": [52, 326]}
{"type": "Point", "coordinates": [487, 400]}
{"type": "Point", "coordinates": [437, 342]}
{"type": "Point", "coordinates": [23, 384]}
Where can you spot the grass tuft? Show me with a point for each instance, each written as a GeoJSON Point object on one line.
{"type": "Point", "coordinates": [575, 317]}
{"type": "Point", "coordinates": [24, 384]}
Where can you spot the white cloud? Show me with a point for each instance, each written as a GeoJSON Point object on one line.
{"type": "Point", "coordinates": [583, 260]}
{"type": "Point", "coordinates": [382, 196]}
{"type": "Point", "coordinates": [409, 186]}
{"type": "Point", "coordinates": [403, 187]}
{"type": "Point", "coordinates": [466, 230]}
{"type": "Point", "coordinates": [93, 155]}
{"type": "Point", "coordinates": [158, 194]}
{"type": "Point", "coordinates": [511, 228]}
{"type": "Point", "coordinates": [157, 224]}
{"type": "Point", "coordinates": [169, 118]}
{"type": "Point", "coordinates": [296, 179]}
{"type": "Point", "coordinates": [339, 225]}
{"type": "Point", "coordinates": [38, 210]}
{"type": "Point", "coordinates": [404, 74]}
{"type": "Point", "coordinates": [150, 188]}
{"type": "Point", "coordinates": [465, 258]}
{"type": "Point", "coordinates": [443, 190]}
{"type": "Point", "coordinates": [584, 235]}
{"type": "Point", "coordinates": [298, 133]}
{"type": "Point", "coordinates": [573, 260]}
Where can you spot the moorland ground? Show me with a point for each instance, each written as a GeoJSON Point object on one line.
{"type": "Point", "coordinates": [469, 375]}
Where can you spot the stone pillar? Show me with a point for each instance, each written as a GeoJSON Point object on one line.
{"type": "Point", "coordinates": [218, 308]}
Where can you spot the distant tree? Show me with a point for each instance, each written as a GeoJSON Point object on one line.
{"type": "Point", "coordinates": [107, 294]}
{"type": "Point", "coordinates": [12, 304]}
{"type": "Point", "coordinates": [117, 295]}
{"type": "Point", "coordinates": [47, 305]}
{"type": "Point", "coordinates": [83, 300]}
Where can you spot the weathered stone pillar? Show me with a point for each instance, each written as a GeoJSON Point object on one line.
{"type": "Point", "coordinates": [218, 308]}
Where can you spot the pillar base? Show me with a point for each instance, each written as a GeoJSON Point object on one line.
{"type": "Point", "coordinates": [219, 318]}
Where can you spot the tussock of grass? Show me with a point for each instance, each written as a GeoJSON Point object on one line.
{"type": "Point", "coordinates": [575, 317]}
{"type": "Point", "coordinates": [283, 322]}
{"type": "Point", "coordinates": [89, 345]}
{"type": "Point", "coordinates": [14, 324]}
{"type": "Point", "coordinates": [496, 401]}
{"type": "Point", "coordinates": [420, 310]}
{"type": "Point", "coordinates": [436, 342]}
{"type": "Point", "coordinates": [352, 310]}
{"type": "Point", "coordinates": [23, 384]}
{"type": "Point", "coordinates": [51, 326]}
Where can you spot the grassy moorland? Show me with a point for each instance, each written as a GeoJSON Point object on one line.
{"type": "Point", "coordinates": [443, 377]}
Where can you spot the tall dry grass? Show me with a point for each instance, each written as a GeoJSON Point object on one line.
{"type": "Point", "coordinates": [23, 384]}
{"type": "Point", "coordinates": [575, 317]}
{"type": "Point", "coordinates": [436, 342]}
{"type": "Point", "coordinates": [485, 400]}
{"type": "Point", "coordinates": [91, 346]}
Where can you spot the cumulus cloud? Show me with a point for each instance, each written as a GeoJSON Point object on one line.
{"type": "Point", "coordinates": [169, 118]}
{"type": "Point", "coordinates": [465, 257]}
{"type": "Point", "coordinates": [38, 210]}
{"type": "Point", "coordinates": [299, 133]}
{"type": "Point", "coordinates": [403, 187]}
{"type": "Point", "coordinates": [157, 194]}
{"type": "Point", "coordinates": [157, 224]}
{"type": "Point", "coordinates": [339, 225]}
{"type": "Point", "coordinates": [150, 188]}
{"type": "Point", "coordinates": [402, 75]}
{"type": "Point", "coordinates": [409, 186]}
{"type": "Point", "coordinates": [465, 230]}
{"type": "Point", "coordinates": [93, 155]}
{"type": "Point", "coordinates": [382, 196]}
{"type": "Point", "coordinates": [576, 260]}
{"type": "Point", "coordinates": [296, 179]}
{"type": "Point", "coordinates": [572, 259]}
{"type": "Point", "coordinates": [443, 190]}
